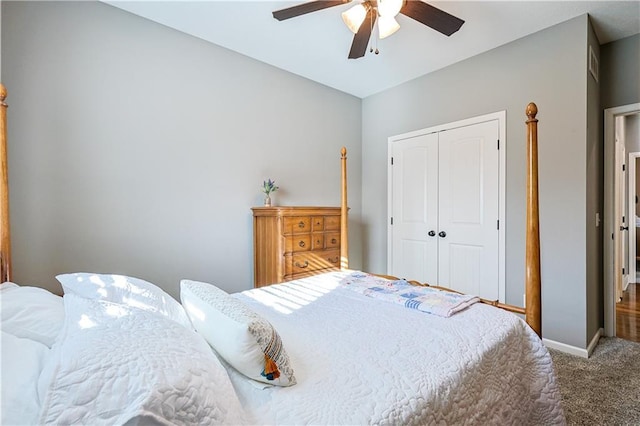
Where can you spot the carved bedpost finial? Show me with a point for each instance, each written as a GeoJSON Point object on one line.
{"type": "Point", "coordinates": [532, 111]}
{"type": "Point", "coordinates": [343, 151]}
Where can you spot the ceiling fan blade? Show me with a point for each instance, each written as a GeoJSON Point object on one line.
{"type": "Point", "coordinates": [432, 17]}
{"type": "Point", "coordinates": [361, 39]}
{"type": "Point", "coordinates": [304, 8]}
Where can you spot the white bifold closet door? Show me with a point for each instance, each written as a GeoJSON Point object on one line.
{"type": "Point", "coordinates": [445, 209]}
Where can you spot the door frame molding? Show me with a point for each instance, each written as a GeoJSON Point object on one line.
{"type": "Point", "coordinates": [501, 116]}
{"type": "Point", "coordinates": [610, 115]}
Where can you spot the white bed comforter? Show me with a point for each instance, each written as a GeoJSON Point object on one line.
{"type": "Point", "coordinates": [155, 372]}
{"type": "Point", "coordinates": [364, 361]}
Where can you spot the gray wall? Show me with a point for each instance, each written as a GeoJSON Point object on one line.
{"type": "Point", "coordinates": [620, 71]}
{"type": "Point", "coordinates": [0, 40]}
{"type": "Point", "coordinates": [549, 68]}
{"type": "Point", "coordinates": [637, 177]}
{"type": "Point", "coordinates": [595, 195]}
{"type": "Point", "coordinates": [139, 150]}
{"type": "Point", "coordinates": [632, 132]}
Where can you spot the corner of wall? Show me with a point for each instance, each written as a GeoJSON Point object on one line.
{"type": "Point", "coordinates": [573, 350]}
{"type": "Point", "coordinates": [595, 185]}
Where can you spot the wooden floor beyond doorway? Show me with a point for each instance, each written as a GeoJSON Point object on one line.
{"type": "Point", "coordinates": [628, 315]}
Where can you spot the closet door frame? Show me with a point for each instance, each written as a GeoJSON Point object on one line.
{"type": "Point", "coordinates": [501, 117]}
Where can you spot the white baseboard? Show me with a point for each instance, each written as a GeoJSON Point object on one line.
{"type": "Point", "coordinates": [573, 350]}
{"type": "Point", "coordinates": [594, 341]}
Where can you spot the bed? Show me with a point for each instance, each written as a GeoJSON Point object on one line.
{"type": "Point", "coordinates": [327, 349]}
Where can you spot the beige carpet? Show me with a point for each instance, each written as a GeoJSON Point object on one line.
{"type": "Point", "coordinates": [604, 389]}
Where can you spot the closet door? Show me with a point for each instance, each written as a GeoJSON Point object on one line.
{"type": "Point", "coordinates": [415, 208]}
{"type": "Point", "coordinates": [468, 209]}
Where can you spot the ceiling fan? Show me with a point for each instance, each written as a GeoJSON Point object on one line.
{"type": "Point", "coordinates": [362, 17]}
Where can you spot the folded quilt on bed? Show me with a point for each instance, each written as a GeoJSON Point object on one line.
{"type": "Point", "coordinates": [423, 299]}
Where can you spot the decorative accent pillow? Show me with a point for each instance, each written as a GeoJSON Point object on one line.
{"type": "Point", "coordinates": [124, 290]}
{"type": "Point", "coordinates": [242, 337]}
{"type": "Point", "coordinates": [31, 313]}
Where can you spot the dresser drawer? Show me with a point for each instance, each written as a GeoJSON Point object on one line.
{"type": "Point", "coordinates": [317, 241]}
{"type": "Point", "coordinates": [295, 243]}
{"type": "Point", "coordinates": [296, 225]}
{"type": "Point", "coordinates": [312, 261]}
{"type": "Point", "coordinates": [332, 223]}
{"type": "Point", "coordinates": [332, 240]}
{"type": "Point", "coordinates": [317, 223]}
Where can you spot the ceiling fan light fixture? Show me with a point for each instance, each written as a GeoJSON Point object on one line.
{"type": "Point", "coordinates": [387, 25]}
{"type": "Point", "coordinates": [389, 8]}
{"type": "Point", "coordinates": [363, 18]}
{"type": "Point", "coordinates": [354, 17]}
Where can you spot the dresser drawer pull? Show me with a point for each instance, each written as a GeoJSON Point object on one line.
{"type": "Point", "coordinates": [334, 260]}
{"type": "Point", "coordinates": [301, 224]}
{"type": "Point", "coordinates": [301, 244]}
{"type": "Point", "coordinates": [302, 266]}
{"type": "Point", "coordinates": [333, 241]}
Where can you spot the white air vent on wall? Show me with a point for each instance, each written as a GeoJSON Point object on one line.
{"type": "Point", "coordinates": [593, 63]}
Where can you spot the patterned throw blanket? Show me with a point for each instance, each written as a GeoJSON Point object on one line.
{"type": "Point", "coordinates": [423, 299]}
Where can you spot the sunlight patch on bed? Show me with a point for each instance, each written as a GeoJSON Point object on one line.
{"type": "Point", "coordinates": [138, 304]}
{"type": "Point", "coordinates": [293, 295]}
{"type": "Point", "coordinates": [116, 311]}
{"type": "Point", "coordinates": [274, 301]}
{"type": "Point", "coordinates": [285, 295]}
{"type": "Point", "coordinates": [302, 293]}
{"type": "Point", "coordinates": [86, 322]}
{"type": "Point", "coordinates": [115, 281]}
{"type": "Point", "coordinates": [268, 300]}
{"type": "Point", "coordinates": [321, 283]}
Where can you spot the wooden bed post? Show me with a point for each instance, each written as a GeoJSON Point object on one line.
{"type": "Point", "coordinates": [344, 211]}
{"type": "Point", "coordinates": [5, 233]}
{"type": "Point", "coordinates": [532, 264]}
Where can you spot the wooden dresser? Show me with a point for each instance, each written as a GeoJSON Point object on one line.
{"type": "Point", "coordinates": [294, 242]}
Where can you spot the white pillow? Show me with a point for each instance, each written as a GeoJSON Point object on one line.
{"type": "Point", "coordinates": [242, 337]}
{"type": "Point", "coordinates": [22, 361]}
{"type": "Point", "coordinates": [124, 290]}
{"type": "Point", "coordinates": [31, 313]}
{"type": "Point", "coordinates": [116, 364]}
{"type": "Point", "coordinates": [7, 285]}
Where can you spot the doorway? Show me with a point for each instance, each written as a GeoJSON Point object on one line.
{"type": "Point", "coordinates": [619, 207]}
{"type": "Point", "coordinates": [633, 213]}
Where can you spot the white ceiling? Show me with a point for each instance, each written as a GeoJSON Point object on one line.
{"type": "Point", "coordinates": [316, 45]}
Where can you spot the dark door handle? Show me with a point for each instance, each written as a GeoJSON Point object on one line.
{"type": "Point", "coordinates": [624, 228]}
{"type": "Point", "coordinates": [442, 234]}
{"type": "Point", "coordinates": [432, 233]}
